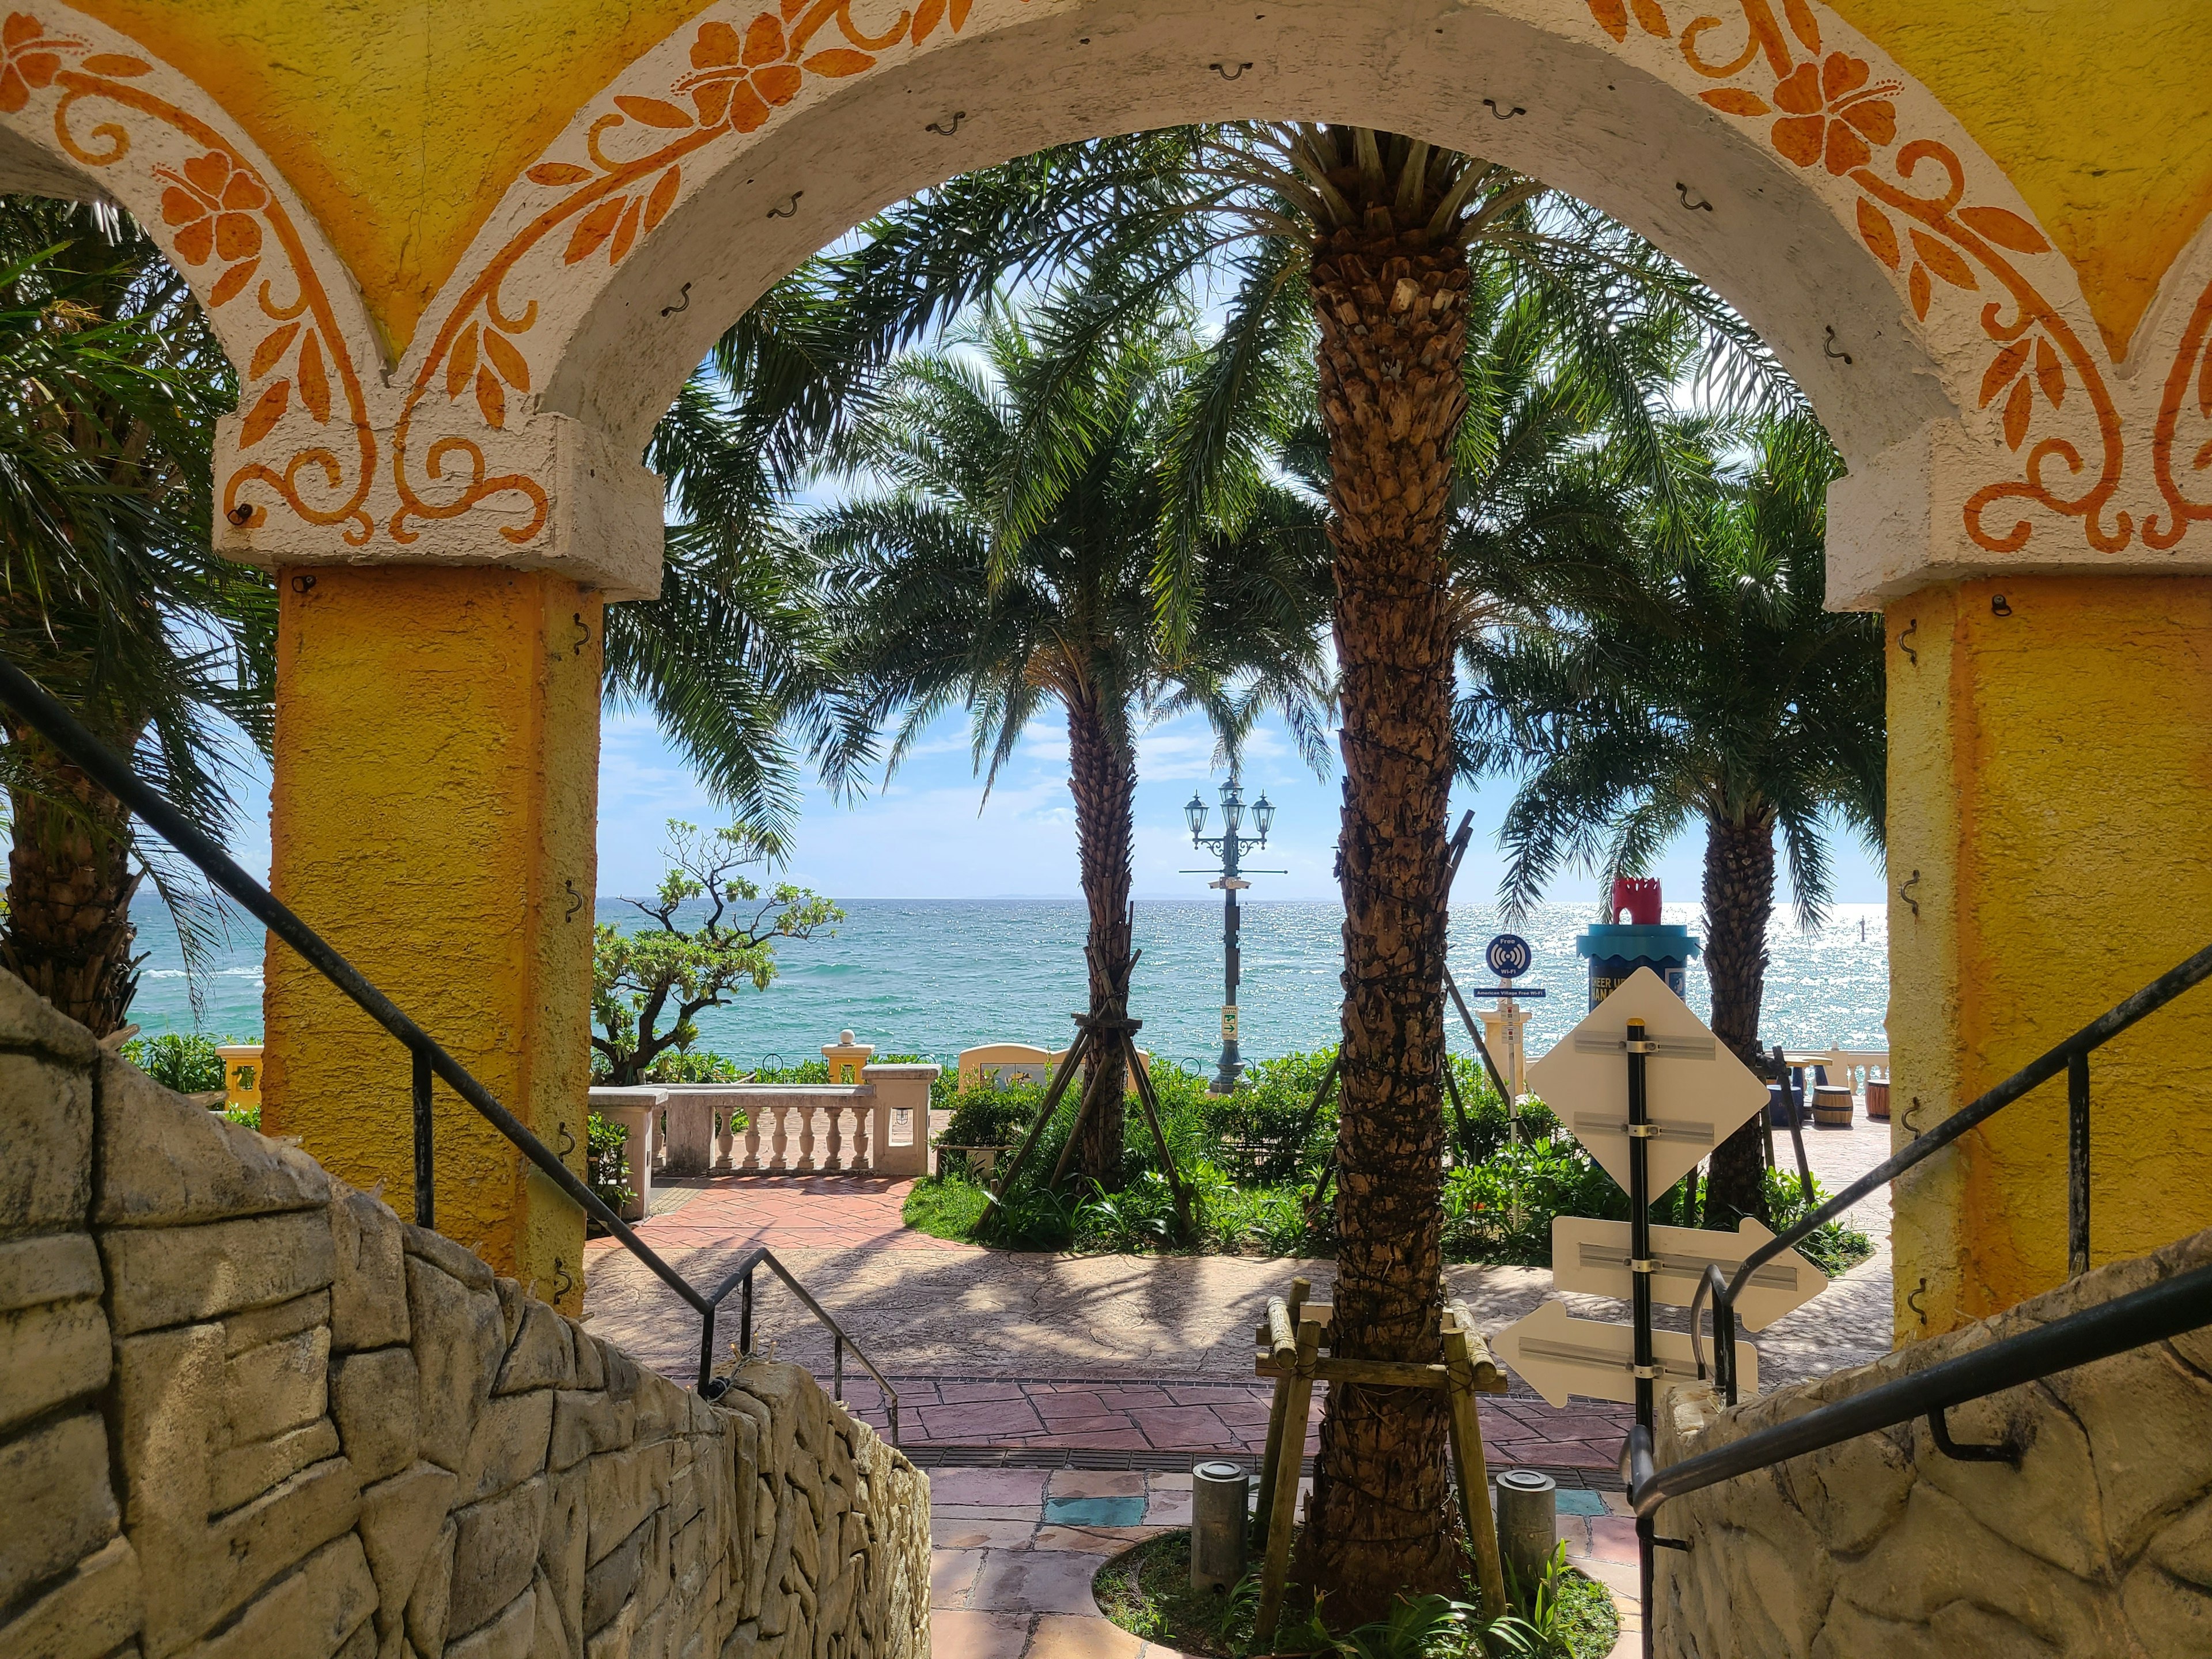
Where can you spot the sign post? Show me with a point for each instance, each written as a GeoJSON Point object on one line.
{"type": "Point", "coordinates": [1685, 1093]}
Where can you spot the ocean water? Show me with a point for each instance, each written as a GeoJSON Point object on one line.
{"type": "Point", "coordinates": [934, 976]}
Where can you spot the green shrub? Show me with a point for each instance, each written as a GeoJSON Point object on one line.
{"type": "Point", "coordinates": [677, 1066]}
{"type": "Point", "coordinates": [1832, 1247]}
{"type": "Point", "coordinates": [186, 1063]}
{"type": "Point", "coordinates": [606, 1161]}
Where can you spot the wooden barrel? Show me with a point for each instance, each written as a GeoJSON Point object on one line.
{"type": "Point", "coordinates": [1877, 1091]}
{"type": "Point", "coordinates": [1832, 1107]}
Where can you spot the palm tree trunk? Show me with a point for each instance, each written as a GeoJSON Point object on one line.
{"type": "Point", "coordinates": [70, 886]}
{"type": "Point", "coordinates": [1392, 331]}
{"type": "Point", "coordinates": [1739, 900]}
{"type": "Point", "coordinates": [1102, 774]}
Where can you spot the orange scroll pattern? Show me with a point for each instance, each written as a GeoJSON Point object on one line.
{"type": "Point", "coordinates": [1825, 110]}
{"type": "Point", "coordinates": [605, 205]}
{"type": "Point", "coordinates": [227, 227]}
{"type": "Point", "coordinates": [2188, 397]}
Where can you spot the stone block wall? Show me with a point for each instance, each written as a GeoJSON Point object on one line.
{"type": "Point", "coordinates": [2098, 1543]}
{"type": "Point", "coordinates": [247, 1413]}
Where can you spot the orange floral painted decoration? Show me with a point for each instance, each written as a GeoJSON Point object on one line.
{"type": "Point", "coordinates": [220, 211]}
{"type": "Point", "coordinates": [608, 203]}
{"type": "Point", "coordinates": [1830, 112]}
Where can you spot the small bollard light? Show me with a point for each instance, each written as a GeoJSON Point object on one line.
{"type": "Point", "coordinates": [1220, 1511]}
{"type": "Point", "coordinates": [1528, 1522]}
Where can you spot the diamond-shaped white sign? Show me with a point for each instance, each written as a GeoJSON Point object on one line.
{"type": "Point", "coordinates": [1696, 1092]}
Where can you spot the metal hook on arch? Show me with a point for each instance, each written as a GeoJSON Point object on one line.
{"type": "Point", "coordinates": [1701, 205]}
{"type": "Point", "coordinates": [1222, 70]}
{"type": "Point", "coordinates": [790, 208]}
{"type": "Point", "coordinates": [1506, 114]}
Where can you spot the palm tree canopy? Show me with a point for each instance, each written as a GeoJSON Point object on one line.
{"type": "Point", "coordinates": [1004, 560]}
{"type": "Point", "coordinates": [1711, 685]}
{"type": "Point", "coordinates": [111, 596]}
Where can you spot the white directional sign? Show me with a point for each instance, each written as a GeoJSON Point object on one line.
{"type": "Point", "coordinates": [1592, 1257]}
{"type": "Point", "coordinates": [1558, 1355]}
{"type": "Point", "coordinates": [1696, 1092]}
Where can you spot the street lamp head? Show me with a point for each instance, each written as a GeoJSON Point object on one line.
{"type": "Point", "coordinates": [1263, 814]}
{"type": "Point", "coordinates": [1232, 803]}
{"type": "Point", "coordinates": [1194, 810]}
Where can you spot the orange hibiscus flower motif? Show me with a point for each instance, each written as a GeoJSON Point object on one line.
{"type": "Point", "coordinates": [739, 78]}
{"type": "Point", "coordinates": [1831, 114]}
{"type": "Point", "coordinates": [29, 59]}
{"type": "Point", "coordinates": [210, 205]}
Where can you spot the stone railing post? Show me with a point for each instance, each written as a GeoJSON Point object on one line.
{"type": "Point", "coordinates": [691, 1132]}
{"type": "Point", "coordinates": [901, 1088]}
{"type": "Point", "coordinates": [638, 1112]}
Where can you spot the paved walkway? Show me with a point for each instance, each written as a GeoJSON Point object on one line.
{"type": "Point", "coordinates": [1014, 1552]}
{"type": "Point", "coordinates": [1131, 1354]}
{"type": "Point", "coordinates": [1011, 1360]}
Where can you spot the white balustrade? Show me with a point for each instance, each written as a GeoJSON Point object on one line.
{"type": "Point", "coordinates": [878, 1125]}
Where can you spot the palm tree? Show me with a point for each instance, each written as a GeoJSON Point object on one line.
{"type": "Point", "coordinates": [1004, 565]}
{"type": "Point", "coordinates": [1710, 686]}
{"type": "Point", "coordinates": [112, 599]}
{"type": "Point", "coordinates": [1348, 258]}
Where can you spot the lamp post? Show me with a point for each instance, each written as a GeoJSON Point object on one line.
{"type": "Point", "coordinates": [1230, 845]}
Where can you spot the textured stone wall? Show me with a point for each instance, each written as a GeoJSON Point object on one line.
{"type": "Point", "coordinates": [246, 1412]}
{"type": "Point", "coordinates": [2098, 1543]}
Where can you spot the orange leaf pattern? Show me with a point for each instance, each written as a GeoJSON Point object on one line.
{"type": "Point", "coordinates": [627, 182]}
{"type": "Point", "coordinates": [1828, 110]}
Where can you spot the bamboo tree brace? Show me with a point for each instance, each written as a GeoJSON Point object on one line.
{"type": "Point", "coordinates": [1289, 1351]}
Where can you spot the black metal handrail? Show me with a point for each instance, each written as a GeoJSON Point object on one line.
{"type": "Point", "coordinates": [2167, 1308]}
{"type": "Point", "coordinates": [113, 774]}
{"type": "Point", "coordinates": [2071, 1056]}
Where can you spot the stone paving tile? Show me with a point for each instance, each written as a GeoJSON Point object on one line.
{"type": "Point", "coordinates": [1036, 1581]}
{"type": "Point", "coordinates": [954, 1634]}
{"type": "Point", "coordinates": [1021, 1590]}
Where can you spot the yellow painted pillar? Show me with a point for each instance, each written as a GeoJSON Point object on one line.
{"type": "Point", "coordinates": [433, 817]}
{"type": "Point", "coordinates": [2050, 794]}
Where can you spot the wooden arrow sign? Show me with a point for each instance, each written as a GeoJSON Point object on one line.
{"type": "Point", "coordinates": [1592, 1257]}
{"type": "Point", "coordinates": [1697, 1093]}
{"type": "Point", "coordinates": [1557, 1355]}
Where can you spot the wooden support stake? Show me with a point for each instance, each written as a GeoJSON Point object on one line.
{"type": "Point", "coordinates": [1296, 1396]}
{"type": "Point", "coordinates": [1459, 1111]}
{"type": "Point", "coordinates": [1472, 1471]}
{"type": "Point", "coordinates": [1292, 1313]}
{"type": "Point", "coordinates": [1067, 1069]}
{"type": "Point", "coordinates": [1159, 1135]}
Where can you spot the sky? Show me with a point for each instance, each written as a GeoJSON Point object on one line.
{"type": "Point", "coordinates": [922, 837]}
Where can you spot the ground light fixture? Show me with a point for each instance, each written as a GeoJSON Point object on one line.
{"type": "Point", "coordinates": [1229, 846]}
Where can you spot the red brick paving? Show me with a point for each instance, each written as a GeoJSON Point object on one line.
{"type": "Point", "coordinates": [861, 1211]}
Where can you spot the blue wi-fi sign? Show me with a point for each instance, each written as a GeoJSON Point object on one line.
{"type": "Point", "coordinates": [1508, 956]}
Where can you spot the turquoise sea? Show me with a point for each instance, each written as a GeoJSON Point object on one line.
{"type": "Point", "coordinates": [934, 976]}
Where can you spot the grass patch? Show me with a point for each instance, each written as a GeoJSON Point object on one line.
{"type": "Point", "coordinates": [945, 1208]}
{"type": "Point", "coordinates": [1147, 1592]}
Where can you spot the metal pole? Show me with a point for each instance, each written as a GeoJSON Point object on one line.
{"type": "Point", "coordinates": [2077, 1164]}
{"type": "Point", "coordinates": [746, 1316]}
{"type": "Point", "coordinates": [425, 1164]}
{"type": "Point", "coordinates": [1232, 1061]}
{"type": "Point", "coordinates": [705, 1349]}
{"type": "Point", "coordinates": [1640, 1267]}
